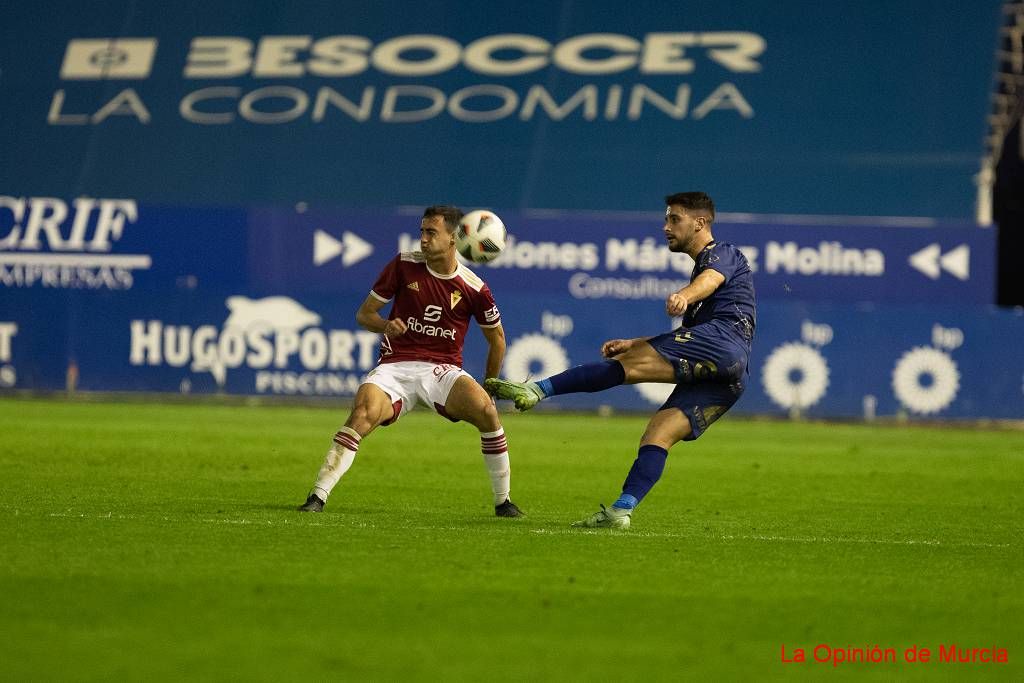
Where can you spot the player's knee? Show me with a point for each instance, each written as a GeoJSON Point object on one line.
{"type": "Point", "coordinates": [635, 371]}
{"type": "Point", "coordinates": [660, 440]}
{"type": "Point", "coordinates": [485, 416]}
{"type": "Point", "coordinates": [357, 420]}
{"type": "Point", "coordinates": [629, 371]}
{"type": "Point", "coordinates": [666, 433]}
{"type": "Point", "coordinates": [489, 412]}
{"type": "Point", "coordinates": [364, 418]}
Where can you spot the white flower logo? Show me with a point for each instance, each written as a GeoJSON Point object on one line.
{"type": "Point", "coordinates": [788, 391]}
{"type": "Point", "coordinates": [938, 393]}
{"type": "Point", "coordinates": [531, 349]}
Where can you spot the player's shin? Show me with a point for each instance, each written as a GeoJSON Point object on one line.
{"type": "Point", "coordinates": [588, 378]}
{"type": "Point", "coordinates": [643, 475]}
{"type": "Point", "coordinates": [495, 450]}
{"type": "Point", "coordinates": [338, 461]}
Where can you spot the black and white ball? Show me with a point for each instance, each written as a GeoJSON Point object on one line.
{"type": "Point", "coordinates": [480, 237]}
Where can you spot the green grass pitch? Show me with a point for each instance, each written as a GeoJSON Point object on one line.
{"type": "Point", "coordinates": [159, 542]}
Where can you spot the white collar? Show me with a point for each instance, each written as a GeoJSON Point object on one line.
{"type": "Point", "coordinates": [458, 267]}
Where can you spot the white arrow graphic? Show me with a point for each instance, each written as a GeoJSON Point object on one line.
{"type": "Point", "coordinates": [352, 248]}
{"type": "Point", "coordinates": [325, 247]}
{"type": "Point", "coordinates": [958, 262]}
{"type": "Point", "coordinates": [931, 261]}
{"type": "Point", "coordinates": [927, 261]}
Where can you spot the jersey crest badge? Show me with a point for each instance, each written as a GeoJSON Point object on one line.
{"type": "Point", "coordinates": [414, 286]}
{"type": "Point", "coordinates": [456, 298]}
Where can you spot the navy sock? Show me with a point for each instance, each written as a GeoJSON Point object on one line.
{"type": "Point", "coordinates": [643, 475]}
{"type": "Point", "coordinates": [588, 378]}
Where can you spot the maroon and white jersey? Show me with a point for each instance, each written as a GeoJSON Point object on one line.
{"type": "Point", "coordinates": [436, 308]}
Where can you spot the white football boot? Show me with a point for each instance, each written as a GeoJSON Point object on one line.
{"type": "Point", "coordinates": [606, 518]}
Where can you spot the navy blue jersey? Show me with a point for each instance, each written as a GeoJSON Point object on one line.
{"type": "Point", "coordinates": [733, 302]}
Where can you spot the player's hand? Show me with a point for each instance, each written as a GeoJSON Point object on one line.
{"type": "Point", "coordinates": [395, 328]}
{"type": "Point", "coordinates": [676, 304]}
{"type": "Point", "coordinates": [615, 347]}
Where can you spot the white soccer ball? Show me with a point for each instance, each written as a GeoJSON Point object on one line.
{"type": "Point", "coordinates": [480, 237]}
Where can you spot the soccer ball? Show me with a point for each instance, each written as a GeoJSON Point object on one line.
{"type": "Point", "coordinates": [480, 237]}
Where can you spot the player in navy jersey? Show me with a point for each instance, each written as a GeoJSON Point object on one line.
{"type": "Point", "coordinates": [706, 357]}
{"type": "Point", "coordinates": [434, 297]}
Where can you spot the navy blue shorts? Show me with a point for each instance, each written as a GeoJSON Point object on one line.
{"type": "Point", "coordinates": [711, 371]}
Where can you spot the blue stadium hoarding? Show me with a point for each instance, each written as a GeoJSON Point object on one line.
{"type": "Point", "coordinates": [50, 243]}
{"type": "Point", "coordinates": [817, 359]}
{"type": "Point", "coordinates": [783, 107]}
{"type": "Point", "coordinates": [260, 301]}
{"type": "Point", "coordinates": [623, 256]}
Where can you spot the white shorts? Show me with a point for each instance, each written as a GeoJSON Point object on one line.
{"type": "Point", "coordinates": [407, 382]}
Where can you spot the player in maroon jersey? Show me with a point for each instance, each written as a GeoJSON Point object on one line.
{"type": "Point", "coordinates": [421, 355]}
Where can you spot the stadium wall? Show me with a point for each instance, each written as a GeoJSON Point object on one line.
{"type": "Point", "coordinates": [857, 319]}
{"type": "Point", "coordinates": [190, 194]}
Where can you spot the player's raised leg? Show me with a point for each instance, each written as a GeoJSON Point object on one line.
{"type": "Point", "coordinates": [630, 361]}
{"type": "Point", "coordinates": [468, 401]}
{"type": "Point", "coordinates": [372, 408]}
{"type": "Point", "coordinates": [667, 428]}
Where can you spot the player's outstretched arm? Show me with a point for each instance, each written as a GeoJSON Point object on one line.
{"type": "Point", "coordinates": [495, 337]}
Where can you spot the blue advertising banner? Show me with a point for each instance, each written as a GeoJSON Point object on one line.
{"type": "Point", "coordinates": [113, 295]}
{"type": "Point", "coordinates": [49, 243]}
{"type": "Point", "coordinates": [623, 256]}
{"type": "Point", "coordinates": [818, 360]}
{"type": "Point", "coordinates": [838, 108]}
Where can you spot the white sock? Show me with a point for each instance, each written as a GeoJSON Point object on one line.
{"type": "Point", "coordinates": [495, 449]}
{"type": "Point", "coordinates": [339, 459]}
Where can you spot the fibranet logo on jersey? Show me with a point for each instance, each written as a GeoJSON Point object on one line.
{"type": "Point", "coordinates": [270, 336]}
{"type": "Point", "coordinates": [48, 242]}
{"type": "Point", "coordinates": [431, 314]}
{"type": "Point", "coordinates": [351, 78]}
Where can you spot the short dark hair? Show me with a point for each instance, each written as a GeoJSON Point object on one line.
{"type": "Point", "coordinates": [451, 215]}
{"type": "Point", "coordinates": [692, 201]}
